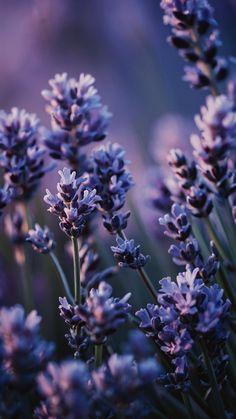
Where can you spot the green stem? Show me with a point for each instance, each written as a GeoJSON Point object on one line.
{"type": "Point", "coordinates": [76, 264]}
{"type": "Point", "coordinates": [26, 281]}
{"type": "Point", "coordinates": [62, 276]}
{"type": "Point", "coordinates": [143, 274]}
{"type": "Point", "coordinates": [219, 405]}
{"type": "Point", "coordinates": [188, 405]}
{"type": "Point", "coordinates": [27, 278]}
{"type": "Point", "coordinates": [98, 355]}
{"type": "Point", "coordinates": [215, 239]}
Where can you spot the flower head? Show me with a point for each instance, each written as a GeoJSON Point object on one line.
{"type": "Point", "coordinates": [66, 389]}
{"type": "Point", "coordinates": [102, 314]}
{"type": "Point", "coordinates": [22, 156]}
{"type": "Point", "coordinates": [42, 239]}
{"type": "Point", "coordinates": [128, 255]}
{"type": "Point", "coordinates": [73, 203]}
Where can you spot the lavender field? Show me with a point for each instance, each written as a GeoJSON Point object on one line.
{"type": "Point", "coordinates": [118, 209]}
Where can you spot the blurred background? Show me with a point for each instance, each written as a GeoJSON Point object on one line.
{"type": "Point", "coordinates": [122, 43]}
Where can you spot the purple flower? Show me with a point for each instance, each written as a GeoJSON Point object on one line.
{"type": "Point", "coordinates": [128, 255]}
{"type": "Point", "coordinates": [25, 353]}
{"type": "Point", "coordinates": [78, 117]}
{"type": "Point", "coordinates": [195, 35]}
{"type": "Point", "coordinates": [185, 172]}
{"type": "Point", "coordinates": [102, 314]}
{"type": "Point", "coordinates": [42, 239]}
{"type": "Point", "coordinates": [73, 202]}
{"type": "Point", "coordinates": [122, 379]}
{"type": "Point", "coordinates": [22, 157]}
{"type": "Point", "coordinates": [217, 124]}
{"type": "Point", "coordinates": [176, 223]}
{"type": "Point", "coordinates": [66, 390]}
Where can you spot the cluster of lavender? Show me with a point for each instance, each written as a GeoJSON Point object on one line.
{"type": "Point", "coordinates": [181, 361]}
{"type": "Point", "coordinates": [23, 355]}
{"type": "Point", "coordinates": [196, 36]}
{"type": "Point", "coordinates": [78, 118]}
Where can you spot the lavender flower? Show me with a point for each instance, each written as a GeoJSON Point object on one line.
{"type": "Point", "coordinates": [22, 157]}
{"type": "Point", "coordinates": [66, 390]}
{"type": "Point", "coordinates": [77, 337]}
{"type": "Point", "coordinates": [185, 172]}
{"type": "Point", "coordinates": [122, 380]}
{"type": "Point", "coordinates": [128, 255]}
{"type": "Point", "coordinates": [112, 180]}
{"type": "Point", "coordinates": [25, 353]}
{"type": "Point", "coordinates": [78, 117]}
{"type": "Point", "coordinates": [199, 202]}
{"type": "Point", "coordinates": [103, 314]}
{"type": "Point", "coordinates": [73, 202]}
{"type": "Point", "coordinates": [42, 239]}
{"type": "Point", "coordinates": [197, 39]}
{"type": "Point", "coordinates": [217, 124]}
{"type": "Point", "coordinates": [177, 224]}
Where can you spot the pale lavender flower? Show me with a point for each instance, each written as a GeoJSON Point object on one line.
{"type": "Point", "coordinates": [25, 353]}
{"type": "Point", "coordinates": [66, 390]}
{"type": "Point", "coordinates": [122, 380]}
{"type": "Point", "coordinates": [102, 314]}
{"type": "Point", "coordinates": [78, 117]}
{"type": "Point", "coordinates": [73, 203]}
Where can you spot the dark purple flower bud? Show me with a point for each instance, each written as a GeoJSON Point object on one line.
{"type": "Point", "coordinates": [110, 177]}
{"type": "Point", "coordinates": [179, 379]}
{"type": "Point", "coordinates": [73, 202]}
{"type": "Point", "coordinates": [185, 172]}
{"type": "Point", "coordinates": [128, 255]}
{"type": "Point", "coordinates": [116, 223]}
{"type": "Point", "coordinates": [66, 390]}
{"type": "Point", "coordinates": [198, 201]}
{"type": "Point", "coordinates": [176, 223]}
{"type": "Point", "coordinates": [103, 314]}
{"type": "Point", "coordinates": [42, 239]}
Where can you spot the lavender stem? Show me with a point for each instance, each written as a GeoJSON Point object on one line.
{"type": "Point", "coordinates": [62, 276]}
{"type": "Point", "coordinates": [76, 264]}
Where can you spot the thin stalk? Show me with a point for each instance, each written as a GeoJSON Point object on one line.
{"type": "Point", "coordinates": [215, 239]}
{"type": "Point", "coordinates": [76, 264]}
{"type": "Point", "coordinates": [27, 278]}
{"type": "Point", "coordinates": [219, 405]}
{"type": "Point", "coordinates": [188, 405]}
{"type": "Point", "coordinates": [200, 401]}
{"type": "Point", "coordinates": [62, 276]}
{"type": "Point", "coordinates": [25, 283]}
{"type": "Point", "coordinates": [143, 274]}
{"type": "Point", "coordinates": [98, 355]}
